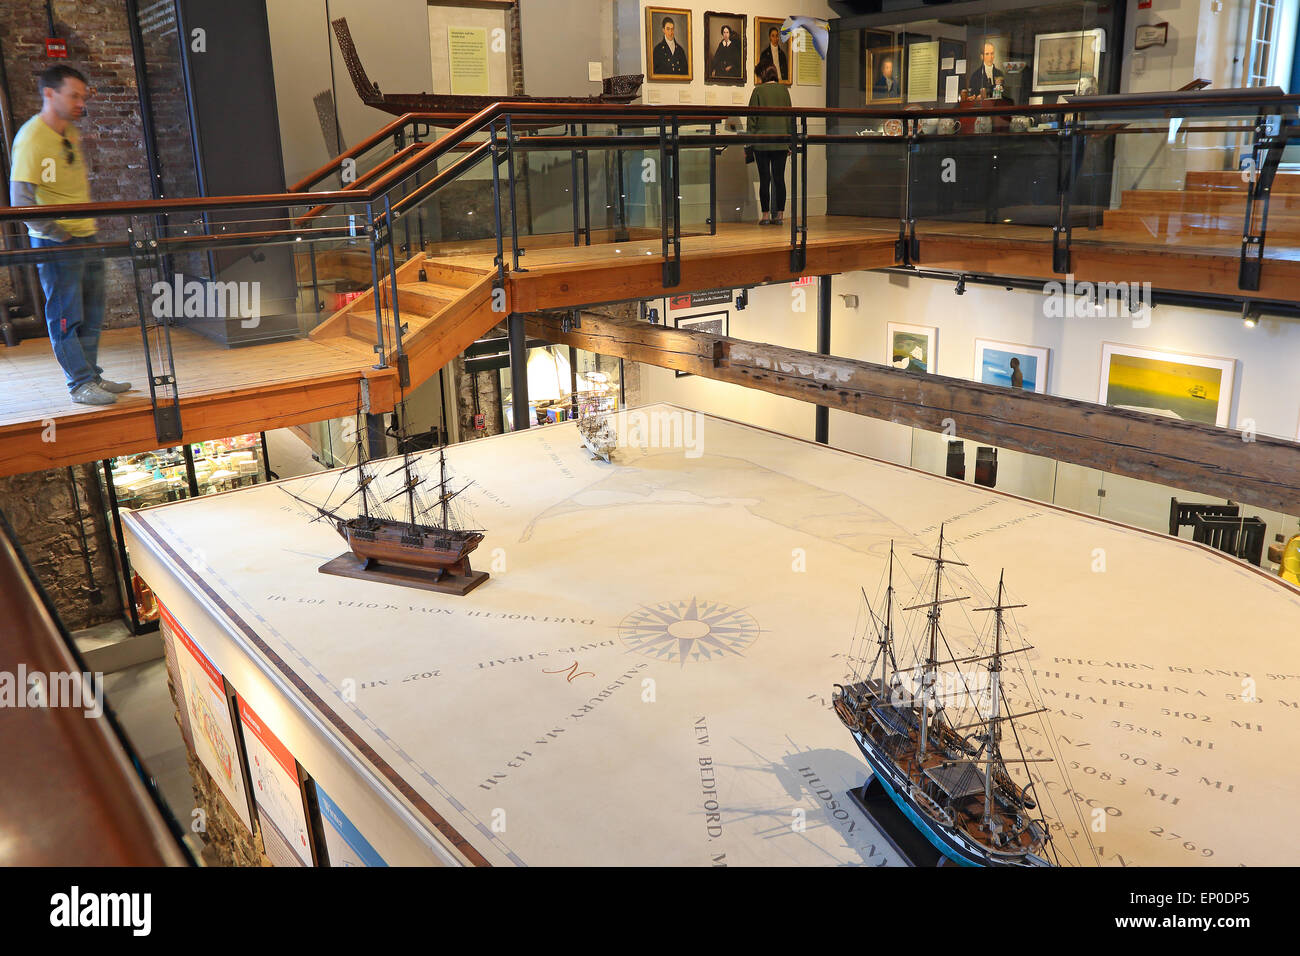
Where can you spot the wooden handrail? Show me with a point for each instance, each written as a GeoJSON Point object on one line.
{"type": "Point", "coordinates": [70, 795]}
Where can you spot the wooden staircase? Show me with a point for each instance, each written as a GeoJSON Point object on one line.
{"type": "Point", "coordinates": [443, 313]}
{"type": "Point", "coordinates": [1209, 210]}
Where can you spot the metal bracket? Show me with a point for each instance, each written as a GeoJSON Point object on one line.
{"type": "Point", "coordinates": [403, 371]}
{"type": "Point", "coordinates": [365, 396]}
{"type": "Point", "coordinates": [1270, 140]}
{"type": "Point", "coordinates": [167, 424]}
{"type": "Point", "coordinates": [1068, 157]}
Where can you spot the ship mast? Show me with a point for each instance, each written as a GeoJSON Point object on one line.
{"type": "Point", "coordinates": [442, 486]}
{"type": "Point", "coordinates": [886, 639]}
{"type": "Point", "coordinates": [361, 469]}
{"type": "Point", "coordinates": [932, 660]}
{"type": "Point", "coordinates": [992, 731]}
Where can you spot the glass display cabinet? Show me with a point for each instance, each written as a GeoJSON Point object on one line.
{"type": "Point", "coordinates": [171, 474]}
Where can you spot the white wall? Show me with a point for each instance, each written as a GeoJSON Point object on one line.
{"type": "Point", "coordinates": [1266, 361]}
{"type": "Point", "coordinates": [768, 318]}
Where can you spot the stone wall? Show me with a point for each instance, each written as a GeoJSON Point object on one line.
{"type": "Point", "coordinates": [39, 506]}
{"type": "Point", "coordinates": [226, 841]}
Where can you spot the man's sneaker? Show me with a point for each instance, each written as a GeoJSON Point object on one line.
{"type": "Point", "coordinates": [108, 386]}
{"type": "Point", "coordinates": [92, 394]}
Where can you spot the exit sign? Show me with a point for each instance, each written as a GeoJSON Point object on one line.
{"type": "Point", "coordinates": [54, 47]}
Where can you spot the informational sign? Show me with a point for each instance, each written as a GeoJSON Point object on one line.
{"type": "Point", "coordinates": [276, 790]}
{"type": "Point", "coordinates": [808, 67]}
{"type": "Point", "coordinates": [343, 841]}
{"type": "Point", "coordinates": [923, 72]}
{"type": "Point", "coordinates": [692, 299]}
{"type": "Point", "coordinates": [467, 55]}
{"type": "Point", "coordinates": [207, 711]}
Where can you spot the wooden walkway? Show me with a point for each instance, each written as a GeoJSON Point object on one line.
{"type": "Point", "coordinates": [231, 391]}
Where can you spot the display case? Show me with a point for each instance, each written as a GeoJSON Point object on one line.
{"type": "Point", "coordinates": [171, 474]}
{"type": "Point", "coordinates": [562, 382]}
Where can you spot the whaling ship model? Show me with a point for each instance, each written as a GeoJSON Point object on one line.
{"type": "Point", "coordinates": [940, 755]}
{"type": "Point", "coordinates": [597, 432]}
{"type": "Point", "coordinates": [424, 535]}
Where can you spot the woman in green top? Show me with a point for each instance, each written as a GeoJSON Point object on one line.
{"type": "Point", "coordinates": [770, 157]}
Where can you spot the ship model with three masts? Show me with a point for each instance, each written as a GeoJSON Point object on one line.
{"type": "Point", "coordinates": [422, 542]}
{"type": "Point", "coordinates": [936, 737]}
{"type": "Point", "coordinates": [597, 432]}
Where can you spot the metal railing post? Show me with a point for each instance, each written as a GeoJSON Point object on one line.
{"type": "Point", "coordinates": [573, 186]}
{"type": "Point", "coordinates": [162, 374]}
{"type": "Point", "coordinates": [403, 368]}
{"type": "Point", "coordinates": [713, 182]}
{"type": "Point", "coordinates": [515, 251]}
{"type": "Point", "coordinates": [586, 194]}
{"type": "Point", "coordinates": [375, 288]}
{"type": "Point", "coordinates": [500, 259]}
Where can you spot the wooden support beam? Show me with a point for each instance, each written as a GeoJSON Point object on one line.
{"type": "Point", "coordinates": [617, 279]}
{"type": "Point", "coordinates": [1201, 458]}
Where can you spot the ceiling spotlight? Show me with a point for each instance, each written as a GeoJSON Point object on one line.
{"type": "Point", "coordinates": [1249, 315]}
{"type": "Point", "coordinates": [742, 300]}
{"type": "Point", "coordinates": [961, 285]}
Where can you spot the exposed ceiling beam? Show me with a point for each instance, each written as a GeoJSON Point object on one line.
{"type": "Point", "coordinates": [1200, 458]}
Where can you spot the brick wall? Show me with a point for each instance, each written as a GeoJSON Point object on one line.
{"type": "Point", "coordinates": [99, 45]}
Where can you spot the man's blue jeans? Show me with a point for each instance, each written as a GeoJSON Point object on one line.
{"type": "Point", "coordinates": [74, 309]}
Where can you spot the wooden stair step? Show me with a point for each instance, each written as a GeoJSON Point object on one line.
{"type": "Point", "coordinates": [1224, 201]}
{"type": "Point", "coordinates": [1229, 179]}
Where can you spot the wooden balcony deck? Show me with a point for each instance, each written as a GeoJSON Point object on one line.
{"type": "Point", "coordinates": [230, 391]}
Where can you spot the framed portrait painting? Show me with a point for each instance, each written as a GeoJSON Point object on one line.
{"type": "Point", "coordinates": [1060, 59]}
{"type": "Point", "coordinates": [668, 44]}
{"type": "Point", "coordinates": [715, 323]}
{"type": "Point", "coordinates": [770, 50]}
{"type": "Point", "coordinates": [1194, 388]}
{"type": "Point", "coordinates": [724, 49]}
{"type": "Point", "coordinates": [911, 347]}
{"type": "Point", "coordinates": [884, 72]}
{"type": "Point", "coordinates": [1011, 365]}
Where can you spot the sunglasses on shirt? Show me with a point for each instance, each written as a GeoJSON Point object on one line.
{"type": "Point", "coordinates": [69, 154]}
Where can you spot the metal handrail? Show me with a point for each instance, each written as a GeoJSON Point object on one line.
{"type": "Point", "coordinates": [563, 113]}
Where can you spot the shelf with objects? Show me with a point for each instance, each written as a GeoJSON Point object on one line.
{"type": "Point", "coordinates": [171, 474]}
{"type": "Point", "coordinates": [563, 383]}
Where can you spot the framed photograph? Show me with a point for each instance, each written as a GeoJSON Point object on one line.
{"type": "Point", "coordinates": [912, 347]}
{"type": "Point", "coordinates": [724, 49]}
{"type": "Point", "coordinates": [715, 323]}
{"type": "Point", "coordinates": [770, 51]}
{"type": "Point", "coordinates": [1011, 365]}
{"type": "Point", "coordinates": [1060, 59]}
{"type": "Point", "coordinates": [668, 44]}
{"type": "Point", "coordinates": [885, 75]}
{"type": "Point", "coordinates": [1195, 388]}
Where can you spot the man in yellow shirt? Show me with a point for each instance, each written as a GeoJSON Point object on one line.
{"type": "Point", "coordinates": [49, 169]}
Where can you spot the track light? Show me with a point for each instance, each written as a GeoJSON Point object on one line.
{"type": "Point", "coordinates": [961, 285]}
{"type": "Point", "coordinates": [742, 300]}
{"type": "Point", "coordinates": [1249, 314]}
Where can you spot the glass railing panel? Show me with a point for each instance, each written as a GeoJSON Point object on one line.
{"type": "Point", "coordinates": [1184, 180]}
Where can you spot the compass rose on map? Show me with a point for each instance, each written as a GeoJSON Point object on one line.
{"type": "Point", "coordinates": [690, 630]}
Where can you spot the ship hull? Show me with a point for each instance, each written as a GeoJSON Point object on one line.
{"type": "Point", "coordinates": [951, 843]}
{"type": "Point", "coordinates": [430, 552]}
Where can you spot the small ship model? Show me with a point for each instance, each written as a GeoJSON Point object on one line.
{"type": "Point", "coordinates": [425, 545]}
{"type": "Point", "coordinates": [597, 433]}
{"type": "Point", "coordinates": [623, 88]}
{"type": "Point", "coordinates": [939, 756]}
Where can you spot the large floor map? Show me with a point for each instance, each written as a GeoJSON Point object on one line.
{"type": "Point", "coordinates": [646, 677]}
